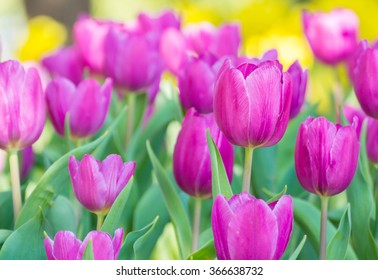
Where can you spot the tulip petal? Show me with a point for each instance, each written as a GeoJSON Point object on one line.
{"type": "Point", "coordinates": [101, 243]}
{"type": "Point", "coordinates": [49, 244]}
{"type": "Point", "coordinates": [117, 241]}
{"type": "Point", "coordinates": [66, 246]}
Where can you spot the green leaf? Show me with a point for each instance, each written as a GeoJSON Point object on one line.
{"type": "Point", "coordinates": [4, 234]}
{"type": "Point", "coordinates": [338, 245]}
{"type": "Point", "coordinates": [297, 251]}
{"type": "Point", "coordinates": [219, 178]}
{"type": "Point", "coordinates": [25, 243]}
{"type": "Point", "coordinates": [6, 210]}
{"type": "Point", "coordinates": [113, 219]}
{"type": "Point", "coordinates": [62, 216]}
{"type": "Point", "coordinates": [135, 240]}
{"type": "Point", "coordinates": [207, 252]}
{"type": "Point", "coordinates": [278, 196]}
{"type": "Point", "coordinates": [88, 253]}
{"type": "Point", "coordinates": [174, 205]}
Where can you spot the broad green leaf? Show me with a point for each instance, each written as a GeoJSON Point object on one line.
{"type": "Point", "coordinates": [174, 205]}
{"type": "Point", "coordinates": [6, 210]}
{"type": "Point", "coordinates": [4, 234]}
{"type": "Point", "coordinates": [207, 252]}
{"type": "Point", "coordinates": [219, 179]}
{"type": "Point", "coordinates": [297, 251]}
{"type": "Point", "coordinates": [61, 216]}
{"type": "Point", "coordinates": [113, 219]}
{"type": "Point", "coordinates": [88, 253]}
{"type": "Point", "coordinates": [338, 245]}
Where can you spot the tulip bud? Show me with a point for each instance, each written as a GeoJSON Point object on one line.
{"type": "Point", "coordinates": [87, 105]}
{"type": "Point", "coordinates": [299, 83]}
{"type": "Point", "coordinates": [351, 113]}
{"type": "Point", "coordinates": [320, 156]}
{"type": "Point", "coordinates": [252, 103]}
{"type": "Point", "coordinates": [66, 246]}
{"type": "Point", "coordinates": [332, 36]}
{"type": "Point", "coordinates": [97, 184]}
{"type": "Point", "coordinates": [364, 79]}
{"type": "Point", "coordinates": [22, 106]}
{"type": "Point", "coordinates": [247, 228]}
{"type": "Point", "coordinates": [372, 140]}
{"type": "Point", "coordinates": [191, 156]}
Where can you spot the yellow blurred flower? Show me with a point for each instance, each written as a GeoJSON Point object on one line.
{"type": "Point", "coordinates": [44, 35]}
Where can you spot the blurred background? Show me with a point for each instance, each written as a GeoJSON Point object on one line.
{"type": "Point", "coordinates": [30, 29]}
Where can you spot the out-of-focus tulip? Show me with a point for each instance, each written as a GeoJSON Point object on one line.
{"type": "Point", "coordinates": [364, 79]}
{"type": "Point", "coordinates": [299, 83]}
{"type": "Point", "coordinates": [97, 184]}
{"type": "Point", "coordinates": [167, 19]}
{"type": "Point", "coordinates": [247, 228]}
{"type": "Point", "coordinates": [87, 105]}
{"type": "Point", "coordinates": [27, 161]}
{"type": "Point", "coordinates": [353, 59]}
{"type": "Point", "coordinates": [320, 156]}
{"type": "Point", "coordinates": [67, 63]}
{"type": "Point", "coordinates": [332, 36]}
{"type": "Point", "coordinates": [351, 113]}
{"type": "Point", "coordinates": [252, 103]}
{"type": "Point", "coordinates": [372, 139]}
{"type": "Point", "coordinates": [173, 49]}
{"type": "Point", "coordinates": [191, 156]}
{"type": "Point", "coordinates": [22, 106]}
{"type": "Point", "coordinates": [196, 85]}
{"type": "Point", "coordinates": [66, 246]}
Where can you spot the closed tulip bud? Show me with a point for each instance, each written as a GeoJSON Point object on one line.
{"type": "Point", "coordinates": [364, 79]}
{"type": "Point", "coordinates": [351, 113]}
{"type": "Point", "coordinates": [247, 228]}
{"type": "Point", "coordinates": [87, 105]}
{"type": "Point", "coordinates": [372, 140]}
{"type": "Point", "coordinates": [22, 106]}
{"type": "Point", "coordinates": [252, 103]}
{"type": "Point", "coordinates": [299, 83]}
{"type": "Point", "coordinates": [332, 36]}
{"type": "Point", "coordinates": [191, 156]}
{"type": "Point", "coordinates": [66, 246]}
{"type": "Point", "coordinates": [97, 184]}
{"type": "Point", "coordinates": [66, 63]}
{"type": "Point", "coordinates": [320, 156]}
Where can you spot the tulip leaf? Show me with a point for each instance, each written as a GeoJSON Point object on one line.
{"type": "Point", "coordinates": [4, 234]}
{"type": "Point", "coordinates": [299, 248]}
{"type": "Point", "coordinates": [174, 205]}
{"type": "Point", "coordinates": [307, 216]}
{"type": "Point", "coordinates": [6, 210]}
{"type": "Point", "coordinates": [25, 243]}
{"type": "Point", "coordinates": [88, 253]}
{"type": "Point", "coordinates": [277, 196]}
{"type": "Point", "coordinates": [113, 219]}
{"type": "Point", "coordinates": [61, 216]}
{"type": "Point", "coordinates": [207, 252]}
{"type": "Point", "coordinates": [219, 179]}
{"type": "Point", "coordinates": [338, 245]}
{"type": "Point", "coordinates": [135, 240]}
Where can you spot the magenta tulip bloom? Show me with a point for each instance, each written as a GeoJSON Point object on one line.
{"type": "Point", "coordinates": [252, 103]}
{"type": "Point", "coordinates": [174, 50]}
{"type": "Point", "coordinates": [67, 63]}
{"type": "Point", "coordinates": [87, 105]}
{"type": "Point", "coordinates": [365, 74]}
{"type": "Point", "coordinates": [66, 246]}
{"type": "Point", "coordinates": [320, 156]}
{"type": "Point", "coordinates": [165, 20]}
{"type": "Point", "coordinates": [351, 113]}
{"type": "Point", "coordinates": [22, 106]}
{"type": "Point", "coordinates": [247, 228]}
{"type": "Point", "coordinates": [332, 36]}
{"type": "Point", "coordinates": [299, 83]}
{"type": "Point", "coordinates": [372, 140]}
{"type": "Point", "coordinates": [191, 156]}
{"type": "Point", "coordinates": [97, 184]}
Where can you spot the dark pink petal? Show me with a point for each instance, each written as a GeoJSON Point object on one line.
{"type": "Point", "coordinates": [66, 246]}
{"type": "Point", "coordinates": [102, 246]}
{"type": "Point", "coordinates": [372, 139]}
{"type": "Point", "coordinates": [117, 242]}
{"type": "Point", "coordinates": [49, 244]}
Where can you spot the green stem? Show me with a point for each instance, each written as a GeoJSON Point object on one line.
{"type": "Point", "coordinates": [323, 227]}
{"type": "Point", "coordinates": [130, 118]}
{"type": "Point", "coordinates": [100, 220]}
{"type": "Point", "coordinates": [247, 169]}
{"type": "Point", "coordinates": [196, 224]}
{"type": "Point", "coordinates": [15, 179]}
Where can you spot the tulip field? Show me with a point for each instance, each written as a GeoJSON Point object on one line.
{"type": "Point", "coordinates": [156, 138]}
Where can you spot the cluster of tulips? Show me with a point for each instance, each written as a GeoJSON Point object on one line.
{"type": "Point", "coordinates": [229, 102]}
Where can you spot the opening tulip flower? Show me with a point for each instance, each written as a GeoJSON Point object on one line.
{"type": "Point", "coordinates": [247, 228]}
{"type": "Point", "coordinates": [299, 82]}
{"type": "Point", "coordinates": [66, 246]}
{"type": "Point", "coordinates": [87, 105]}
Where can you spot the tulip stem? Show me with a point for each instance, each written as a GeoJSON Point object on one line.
{"type": "Point", "coordinates": [15, 179]}
{"type": "Point", "coordinates": [247, 169]}
{"type": "Point", "coordinates": [323, 227]}
{"type": "Point", "coordinates": [130, 118]}
{"type": "Point", "coordinates": [100, 220]}
{"type": "Point", "coordinates": [196, 224]}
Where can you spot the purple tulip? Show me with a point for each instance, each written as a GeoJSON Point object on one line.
{"type": "Point", "coordinates": [67, 63]}
{"type": "Point", "coordinates": [271, 54]}
{"type": "Point", "coordinates": [247, 228]}
{"type": "Point", "coordinates": [372, 139]}
{"type": "Point", "coordinates": [320, 156]}
{"type": "Point", "coordinates": [191, 156]}
{"type": "Point", "coordinates": [165, 20]}
{"type": "Point", "coordinates": [87, 105]}
{"type": "Point", "coordinates": [66, 246]}
{"type": "Point", "coordinates": [252, 103]}
{"type": "Point", "coordinates": [299, 83]}
{"type": "Point", "coordinates": [174, 50]}
{"type": "Point", "coordinates": [351, 113]}
{"type": "Point", "coordinates": [332, 36]}
{"type": "Point", "coordinates": [364, 79]}
{"type": "Point", "coordinates": [22, 106]}
{"type": "Point", "coordinates": [97, 184]}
